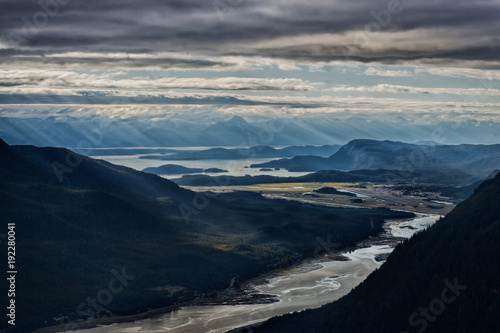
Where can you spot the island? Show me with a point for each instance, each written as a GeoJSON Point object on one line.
{"type": "Point", "coordinates": [174, 169]}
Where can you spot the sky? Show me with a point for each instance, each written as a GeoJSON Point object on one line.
{"type": "Point", "coordinates": [417, 59]}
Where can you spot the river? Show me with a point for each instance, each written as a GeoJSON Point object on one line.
{"type": "Point", "coordinates": [312, 284]}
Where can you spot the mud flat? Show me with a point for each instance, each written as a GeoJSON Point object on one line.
{"type": "Point", "coordinates": [308, 285]}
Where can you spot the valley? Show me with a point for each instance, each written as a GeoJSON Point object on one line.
{"type": "Point", "coordinates": [196, 235]}
{"type": "Point", "coordinates": [366, 196]}
{"type": "Point", "coordinates": [98, 218]}
{"type": "Point", "coordinates": [327, 276]}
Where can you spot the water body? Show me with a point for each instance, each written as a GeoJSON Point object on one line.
{"type": "Point", "coordinates": [315, 284]}
{"type": "Point", "coordinates": [234, 167]}
{"type": "Point", "coordinates": [357, 194]}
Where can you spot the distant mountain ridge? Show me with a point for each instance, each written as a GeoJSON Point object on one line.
{"type": "Point", "coordinates": [185, 130]}
{"type": "Point", "coordinates": [236, 131]}
{"type": "Point", "coordinates": [373, 154]}
{"type": "Point", "coordinates": [247, 153]}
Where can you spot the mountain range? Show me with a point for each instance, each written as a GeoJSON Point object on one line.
{"type": "Point", "coordinates": [391, 155]}
{"type": "Point", "coordinates": [58, 129]}
{"type": "Point", "coordinates": [247, 153]}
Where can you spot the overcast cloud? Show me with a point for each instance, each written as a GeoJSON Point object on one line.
{"type": "Point", "coordinates": [317, 30]}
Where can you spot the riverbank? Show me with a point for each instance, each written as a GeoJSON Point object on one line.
{"type": "Point", "coordinates": [227, 297]}
{"type": "Point", "coordinates": [308, 284]}
{"type": "Point", "coordinates": [248, 294]}
{"type": "Point", "coordinates": [366, 257]}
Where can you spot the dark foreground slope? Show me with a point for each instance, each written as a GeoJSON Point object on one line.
{"type": "Point", "coordinates": [94, 239]}
{"type": "Point", "coordinates": [444, 279]}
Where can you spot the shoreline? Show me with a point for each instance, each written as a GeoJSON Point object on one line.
{"type": "Point", "coordinates": [237, 298]}
{"type": "Point", "coordinates": [383, 238]}
{"type": "Point", "coordinates": [247, 289]}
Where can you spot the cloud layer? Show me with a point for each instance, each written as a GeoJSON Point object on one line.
{"type": "Point", "coordinates": [127, 58]}
{"type": "Point", "coordinates": [69, 79]}
{"type": "Point", "coordinates": [319, 30]}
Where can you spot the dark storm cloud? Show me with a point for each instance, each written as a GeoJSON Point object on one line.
{"type": "Point", "coordinates": [367, 30]}
{"type": "Point", "coordinates": [39, 57]}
